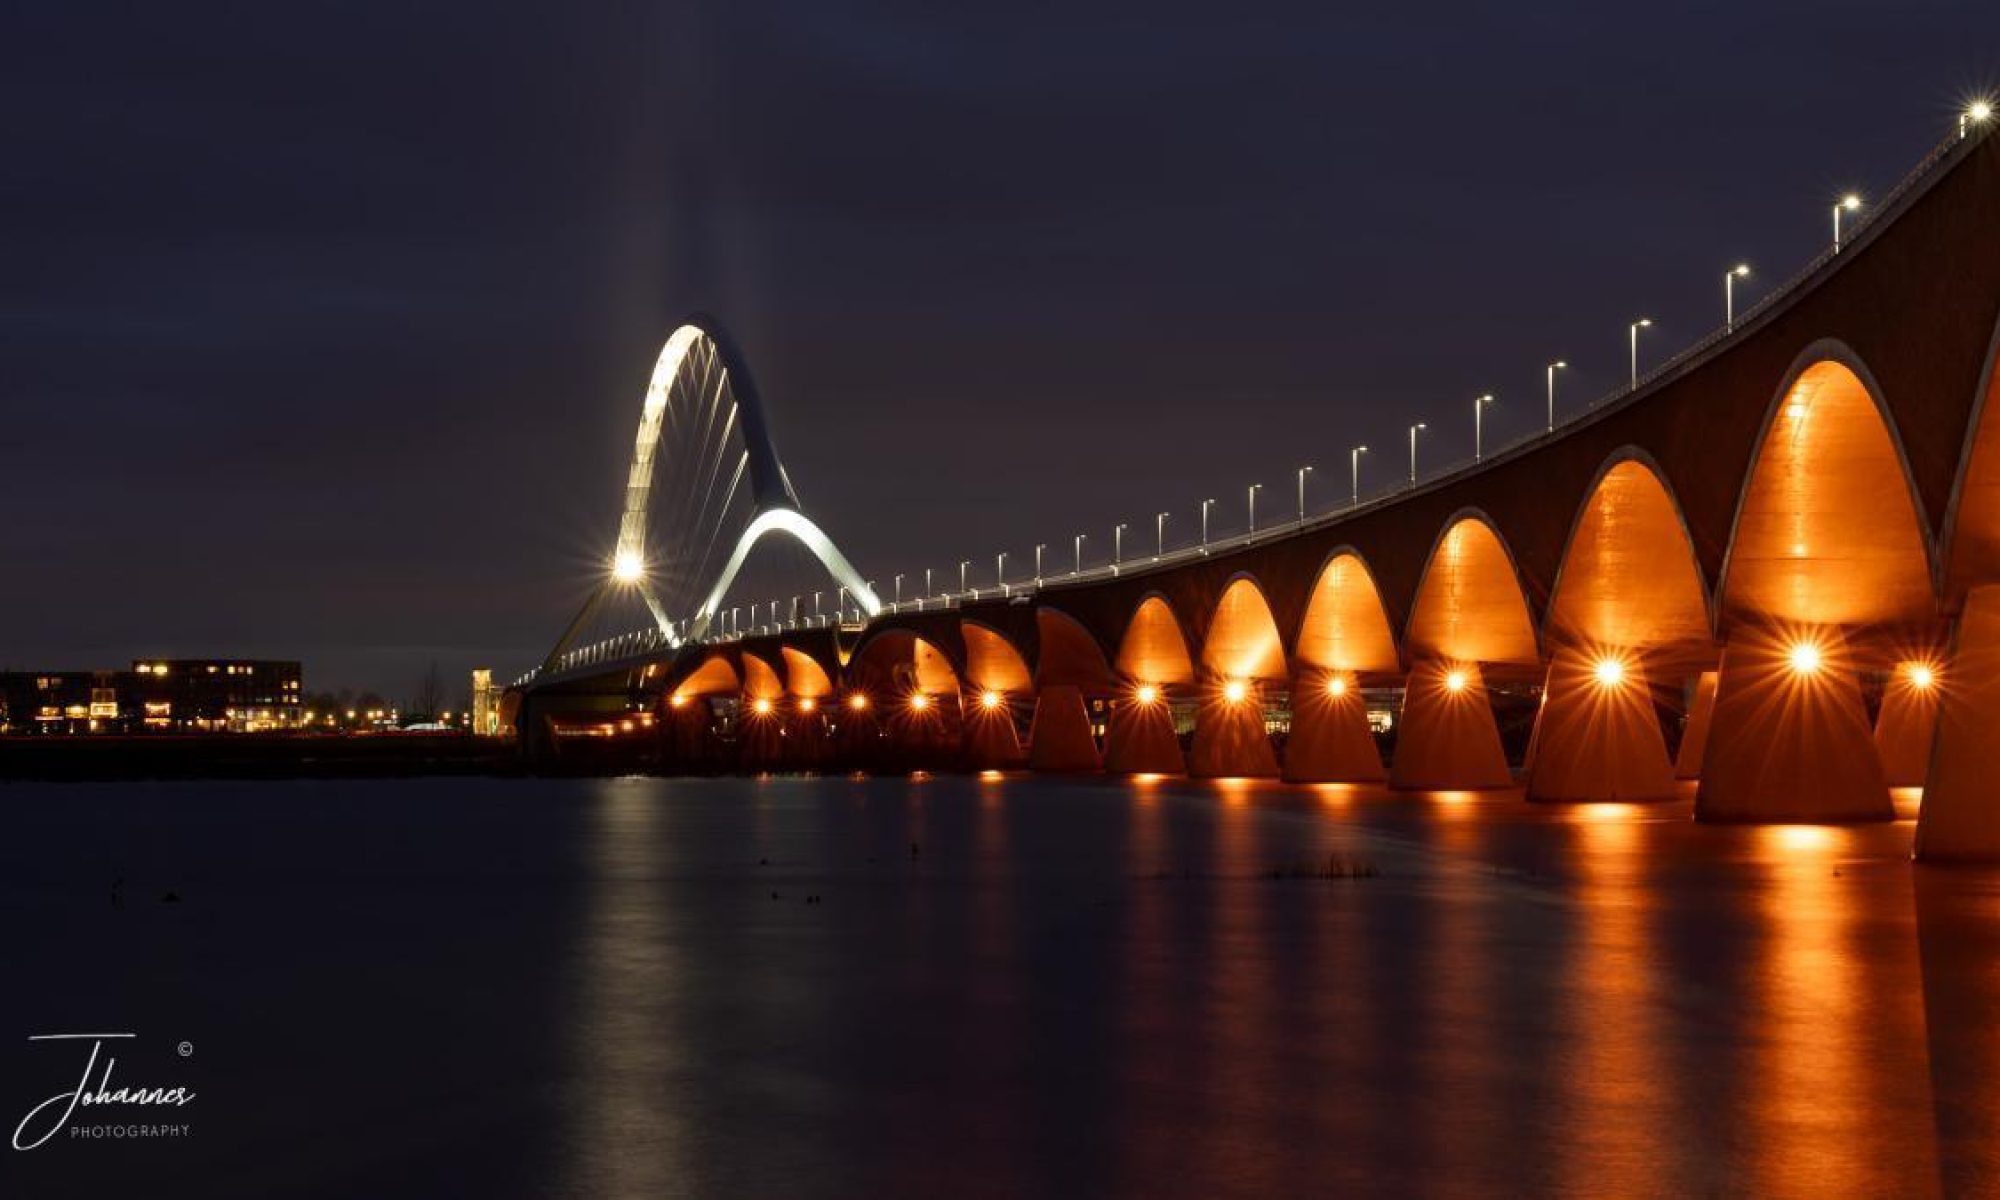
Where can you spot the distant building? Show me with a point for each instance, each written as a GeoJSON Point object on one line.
{"type": "Point", "coordinates": [157, 695]}
{"type": "Point", "coordinates": [485, 715]}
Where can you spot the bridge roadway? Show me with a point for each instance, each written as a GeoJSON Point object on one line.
{"type": "Point", "coordinates": [1779, 557]}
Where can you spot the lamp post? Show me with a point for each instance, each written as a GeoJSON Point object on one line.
{"type": "Point", "coordinates": [1204, 523]}
{"type": "Point", "coordinates": [1739, 271]}
{"type": "Point", "coordinates": [928, 589]}
{"type": "Point", "coordinates": [1413, 450]}
{"type": "Point", "coordinates": [1848, 203]}
{"type": "Point", "coordinates": [1553, 367]}
{"type": "Point", "coordinates": [899, 590]}
{"type": "Point", "coordinates": [1000, 572]}
{"type": "Point", "coordinates": [1039, 547]}
{"type": "Point", "coordinates": [1117, 547]}
{"type": "Point", "coordinates": [1354, 474]}
{"type": "Point", "coordinates": [1159, 536]}
{"type": "Point", "coordinates": [1479, 426]}
{"type": "Point", "coordinates": [1079, 554]}
{"type": "Point", "coordinates": [1303, 472]}
{"type": "Point", "coordinates": [1641, 323]}
{"type": "Point", "coordinates": [963, 565]}
{"type": "Point", "coordinates": [1254, 489]}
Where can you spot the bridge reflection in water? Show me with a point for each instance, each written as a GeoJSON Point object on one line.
{"type": "Point", "coordinates": [1089, 988]}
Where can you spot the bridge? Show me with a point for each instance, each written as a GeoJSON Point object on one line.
{"type": "Point", "coordinates": [1771, 565]}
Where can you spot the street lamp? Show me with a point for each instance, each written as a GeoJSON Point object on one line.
{"type": "Point", "coordinates": [1354, 474]}
{"type": "Point", "coordinates": [1739, 271]}
{"type": "Point", "coordinates": [1553, 367]}
{"type": "Point", "coordinates": [1848, 203]}
{"type": "Point", "coordinates": [899, 589]}
{"type": "Point", "coordinates": [1413, 450]}
{"type": "Point", "coordinates": [928, 589]}
{"type": "Point", "coordinates": [1079, 554]}
{"type": "Point", "coordinates": [1254, 489]}
{"type": "Point", "coordinates": [1159, 536]}
{"type": "Point", "coordinates": [1000, 572]}
{"type": "Point", "coordinates": [1479, 426]}
{"type": "Point", "coordinates": [963, 564]}
{"type": "Point", "coordinates": [1204, 523]}
{"type": "Point", "coordinates": [1117, 547]}
{"type": "Point", "coordinates": [1039, 547]}
{"type": "Point", "coordinates": [1303, 472]}
{"type": "Point", "coordinates": [1641, 323]}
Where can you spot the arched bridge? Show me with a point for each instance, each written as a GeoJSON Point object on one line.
{"type": "Point", "coordinates": [1772, 566]}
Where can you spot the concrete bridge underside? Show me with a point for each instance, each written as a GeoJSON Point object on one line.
{"type": "Point", "coordinates": [1775, 570]}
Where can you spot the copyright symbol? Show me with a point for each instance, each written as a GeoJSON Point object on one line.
{"type": "Point", "coordinates": [185, 1049]}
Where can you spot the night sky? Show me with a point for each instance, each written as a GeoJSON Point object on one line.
{"type": "Point", "coordinates": [327, 324]}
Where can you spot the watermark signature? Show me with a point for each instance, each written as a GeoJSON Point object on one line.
{"type": "Point", "coordinates": [60, 1111]}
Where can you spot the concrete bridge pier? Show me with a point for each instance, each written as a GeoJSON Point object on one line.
{"type": "Point", "coordinates": [1330, 740]}
{"type": "Point", "coordinates": [1230, 739]}
{"type": "Point", "coordinates": [992, 743]}
{"type": "Point", "coordinates": [1960, 819]}
{"type": "Point", "coordinates": [1139, 738]}
{"type": "Point", "coordinates": [1597, 736]}
{"type": "Point", "coordinates": [1790, 739]}
{"type": "Point", "coordinates": [1694, 735]}
{"type": "Point", "coordinates": [1448, 738]}
{"type": "Point", "coordinates": [1059, 739]}
{"type": "Point", "coordinates": [1907, 722]}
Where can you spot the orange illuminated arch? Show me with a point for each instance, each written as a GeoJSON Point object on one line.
{"type": "Point", "coordinates": [1346, 626]}
{"type": "Point", "coordinates": [1070, 656]}
{"type": "Point", "coordinates": [1469, 606]}
{"type": "Point", "coordinates": [1242, 641]}
{"type": "Point", "coordinates": [899, 658]}
{"type": "Point", "coordinates": [1827, 531]}
{"type": "Point", "coordinates": [991, 662]}
{"type": "Point", "coordinates": [1629, 577]}
{"type": "Point", "coordinates": [760, 680]}
{"type": "Point", "coordinates": [713, 677]}
{"type": "Point", "coordinates": [806, 677]}
{"type": "Point", "coordinates": [1154, 650]}
{"type": "Point", "coordinates": [1973, 528]}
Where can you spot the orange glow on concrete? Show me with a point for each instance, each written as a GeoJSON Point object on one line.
{"type": "Point", "coordinates": [1628, 576]}
{"type": "Point", "coordinates": [1598, 738]}
{"type": "Point", "coordinates": [1242, 639]}
{"type": "Point", "coordinates": [1959, 820]}
{"type": "Point", "coordinates": [714, 677]}
{"type": "Point", "coordinates": [1906, 724]}
{"type": "Point", "coordinates": [1140, 740]}
{"type": "Point", "coordinates": [1330, 741]}
{"type": "Point", "coordinates": [1827, 533]}
{"type": "Point", "coordinates": [991, 662]}
{"type": "Point", "coordinates": [804, 676]}
{"type": "Point", "coordinates": [1230, 740]}
{"type": "Point", "coordinates": [934, 673]}
{"type": "Point", "coordinates": [1060, 737]}
{"type": "Point", "coordinates": [1447, 739]}
{"type": "Point", "coordinates": [1787, 744]}
{"type": "Point", "coordinates": [991, 740]}
{"type": "Point", "coordinates": [1346, 626]}
{"type": "Point", "coordinates": [1154, 647]}
{"type": "Point", "coordinates": [1800, 838]}
{"type": "Point", "coordinates": [1069, 655]}
{"type": "Point", "coordinates": [1469, 607]}
{"type": "Point", "coordinates": [760, 680]}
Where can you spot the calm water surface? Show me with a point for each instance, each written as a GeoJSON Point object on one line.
{"type": "Point", "coordinates": [1003, 988]}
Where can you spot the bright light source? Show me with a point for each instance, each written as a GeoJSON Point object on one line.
{"type": "Point", "coordinates": [628, 567]}
{"type": "Point", "coordinates": [1805, 658]}
{"type": "Point", "coordinates": [1741, 271]}
{"type": "Point", "coordinates": [1980, 110]}
{"type": "Point", "coordinates": [1850, 202]}
{"type": "Point", "coordinates": [761, 705]}
{"type": "Point", "coordinates": [1146, 693]}
{"type": "Point", "coordinates": [807, 704]}
{"type": "Point", "coordinates": [990, 700]}
{"type": "Point", "coordinates": [1922, 675]}
{"type": "Point", "coordinates": [1455, 681]}
{"type": "Point", "coordinates": [1796, 411]}
{"type": "Point", "coordinates": [1336, 686]}
{"type": "Point", "coordinates": [919, 702]}
{"type": "Point", "coordinates": [1609, 672]}
{"type": "Point", "coordinates": [678, 700]}
{"type": "Point", "coordinates": [1234, 691]}
{"type": "Point", "coordinates": [857, 702]}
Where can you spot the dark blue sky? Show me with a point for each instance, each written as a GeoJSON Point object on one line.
{"type": "Point", "coordinates": [327, 324]}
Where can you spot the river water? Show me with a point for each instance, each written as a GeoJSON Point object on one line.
{"type": "Point", "coordinates": [985, 987]}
